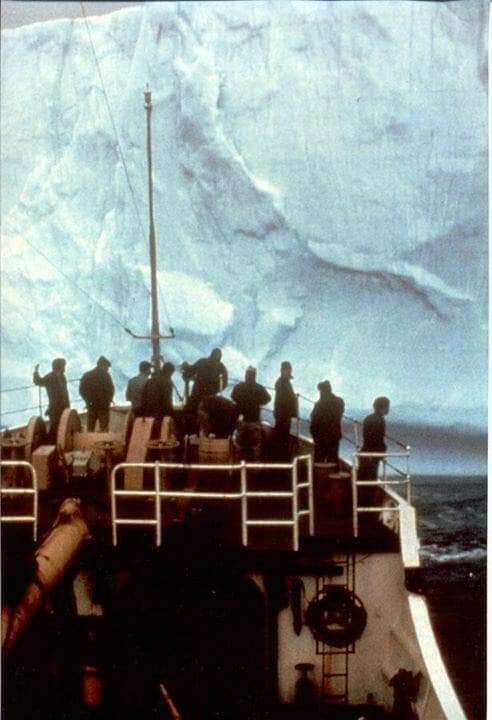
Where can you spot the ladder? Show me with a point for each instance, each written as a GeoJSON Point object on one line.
{"type": "Point", "coordinates": [335, 661]}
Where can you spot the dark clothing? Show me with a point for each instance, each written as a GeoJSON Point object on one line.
{"type": "Point", "coordinates": [326, 428]}
{"type": "Point", "coordinates": [134, 391]}
{"type": "Point", "coordinates": [157, 397]}
{"type": "Point", "coordinates": [373, 434]}
{"type": "Point", "coordinates": [249, 397]}
{"type": "Point", "coordinates": [207, 373]}
{"type": "Point", "coordinates": [218, 416]}
{"type": "Point", "coordinates": [95, 414]}
{"type": "Point", "coordinates": [285, 406]}
{"type": "Point", "coordinates": [97, 389]}
{"type": "Point", "coordinates": [56, 387]}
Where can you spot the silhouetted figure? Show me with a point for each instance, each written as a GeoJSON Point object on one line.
{"type": "Point", "coordinates": [157, 396]}
{"type": "Point", "coordinates": [97, 389]}
{"type": "Point", "coordinates": [210, 376]}
{"type": "Point", "coordinates": [373, 434]}
{"type": "Point", "coordinates": [217, 416]}
{"type": "Point", "coordinates": [285, 408]}
{"type": "Point", "coordinates": [326, 424]}
{"type": "Point", "coordinates": [135, 387]}
{"type": "Point", "coordinates": [55, 383]}
{"type": "Point", "coordinates": [249, 396]}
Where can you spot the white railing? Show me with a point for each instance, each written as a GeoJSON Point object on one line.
{"type": "Point", "coordinates": [403, 480]}
{"type": "Point", "coordinates": [33, 491]}
{"type": "Point", "coordinates": [242, 496]}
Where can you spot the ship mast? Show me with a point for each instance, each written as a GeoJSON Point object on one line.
{"type": "Point", "coordinates": [154, 331]}
{"type": "Point", "coordinates": [155, 335]}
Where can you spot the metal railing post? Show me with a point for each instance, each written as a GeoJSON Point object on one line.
{"type": "Point", "coordinates": [114, 527]}
{"type": "Point", "coordinates": [310, 494]}
{"type": "Point", "coordinates": [244, 504]}
{"type": "Point", "coordinates": [40, 403]}
{"type": "Point", "coordinates": [355, 501]}
{"type": "Point", "coordinates": [295, 515]}
{"type": "Point", "coordinates": [158, 523]}
{"type": "Point", "coordinates": [22, 491]}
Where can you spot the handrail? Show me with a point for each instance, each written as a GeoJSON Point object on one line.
{"type": "Point", "coordinates": [243, 495]}
{"type": "Point", "coordinates": [22, 491]}
{"type": "Point", "coordinates": [378, 482]}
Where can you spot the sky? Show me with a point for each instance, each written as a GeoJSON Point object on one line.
{"type": "Point", "coordinates": [24, 12]}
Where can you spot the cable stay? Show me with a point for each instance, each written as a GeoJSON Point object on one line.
{"type": "Point", "coordinates": [155, 335]}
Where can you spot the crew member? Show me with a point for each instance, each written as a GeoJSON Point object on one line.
{"type": "Point", "coordinates": [249, 396]}
{"type": "Point", "coordinates": [157, 396]}
{"type": "Point", "coordinates": [209, 375]}
{"type": "Point", "coordinates": [136, 386]}
{"type": "Point", "coordinates": [285, 408]}
{"type": "Point", "coordinates": [55, 383]}
{"type": "Point", "coordinates": [373, 433]}
{"type": "Point", "coordinates": [97, 389]}
{"type": "Point", "coordinates": [217, 416]}
{"type": "Point", "coordinates": [326, 424]}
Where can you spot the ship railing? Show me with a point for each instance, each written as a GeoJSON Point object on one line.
{"type": "Point", "coordinates": [398, 479]}
{"type": "Point", "coordinates": [21, 491]}
{"type": "Point", "coordinates": [241, 497]}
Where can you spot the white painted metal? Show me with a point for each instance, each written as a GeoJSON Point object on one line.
{"type": "Point", "coordinates": [243, 495]}
{"type": "Point", "coordinates": [23, 491]}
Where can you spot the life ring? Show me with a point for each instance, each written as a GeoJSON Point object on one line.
{"type": "Point", "coordinates": [336, 616]}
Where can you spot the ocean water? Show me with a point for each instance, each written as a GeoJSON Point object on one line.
{"type": "Point", "coordinates": [452, 525]}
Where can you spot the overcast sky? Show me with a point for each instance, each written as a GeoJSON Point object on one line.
{"type": "Point", "coordinates": [23, 12]}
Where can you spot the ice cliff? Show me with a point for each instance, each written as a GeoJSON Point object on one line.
{"type": "Point", "coordinates": [320, 195]}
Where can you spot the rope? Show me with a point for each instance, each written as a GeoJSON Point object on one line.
{"type": "Point", "coordinates": [120, 151]}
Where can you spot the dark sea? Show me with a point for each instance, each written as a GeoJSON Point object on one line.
{"type": "Point", "coordinates": [452, 526]}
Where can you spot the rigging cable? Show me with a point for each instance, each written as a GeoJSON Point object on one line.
{"type": "Point", "coordinates": [74, 284]}
{"type": "Point", "coordinates": [120, 151]}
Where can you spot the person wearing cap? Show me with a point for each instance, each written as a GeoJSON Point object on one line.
{"type": "Point", "coordinates": [326, 424]}
{"type": "Point", "coordinates": [97, 389]}
{"type": "Point", "coordinates": [136, 386]}
{"type": "Point", "coordinates": [285, 408]}
{"type": "Point", "coordinates": [55, 383]}
{"type": "Point", "coordinates": [249, 396]}
{"type": "Point", "coordinates": [373, 434]}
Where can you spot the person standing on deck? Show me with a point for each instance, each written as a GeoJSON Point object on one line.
{"type": "Point", "coordinates": [285, 408]}
{"type": "Point", "coordinates": [55, 383]}
{"type": "Point", "coordinates": [210, 377]}
{"type": "Point", "coordinates": [373, 434]}
{"type": "Point", "coordinates": [157, 396]}
{"type": "Point", "coordinates": [326, 424]}
{"type": "Point", "coordinates": [249, 397]}
{"type": "Point", "coordinates": [136, 386]}
{"type": "Point", "coordinates": [97, 389]}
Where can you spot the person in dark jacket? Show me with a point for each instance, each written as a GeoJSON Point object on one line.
{"type": "Point", "coordinates": [326, 424]}
{"type": "Point", "coordinates": [249, 396]}
{"type": "Point", "coordinates": [97, 389]}
{"type": "Point", "coordinates": [157, 396]}
{"type": "Point", "coordinates": [373, 434]}
{"type": "Point", "coordinates": [285, 408]}
{"type": "Point", "coordinates": [217, 416]}
{"type": "Point", "coordinates": [55, 383]}
{"type": "Point", "coordinates": [135, 388]}
{"type": "Point", "coordinates": [209, 375]}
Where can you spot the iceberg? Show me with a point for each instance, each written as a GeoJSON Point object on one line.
{"type": "Point", "coordinates": [319, 188]}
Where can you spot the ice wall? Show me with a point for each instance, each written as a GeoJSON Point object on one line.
{"type": "Point", "coordinates": [320, 194]}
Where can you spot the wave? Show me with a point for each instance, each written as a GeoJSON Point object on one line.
{"type": "Point", "coordinates": [453, 554]}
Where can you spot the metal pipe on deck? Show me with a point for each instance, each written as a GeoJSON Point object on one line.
{"type": "Point", "coordinates": [53, 558]}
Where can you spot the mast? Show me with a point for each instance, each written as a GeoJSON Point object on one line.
{"type": "Point", "coordinates": [154, 332]}
{"type": "Point", "coordinates": [155, 335]}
